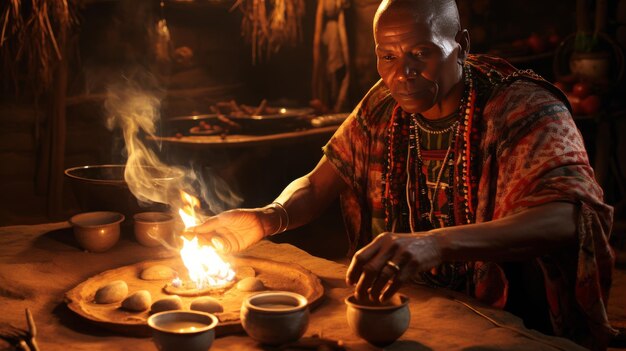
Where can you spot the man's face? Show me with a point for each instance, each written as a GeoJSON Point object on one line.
{"type": "Point", "coordinates": [417, 62]}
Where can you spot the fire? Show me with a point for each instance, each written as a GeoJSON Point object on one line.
{"type": "Point", "coordinates": [205, 266]}
{"type": "Point", "coordinates": [188, 211]}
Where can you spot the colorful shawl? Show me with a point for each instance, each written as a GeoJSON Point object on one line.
{"type": "Point", "coordinates": [528, 152]}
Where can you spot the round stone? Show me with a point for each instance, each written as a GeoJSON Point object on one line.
{"type": "Point", "coordinates": [137, 301]}
{"type": "Point", "coordinates": [113, 292]}
{"type": "Point", "coordinates": [158, 272]}
{"type": "Point", "coordinates": [250, 284]}
{"type": "Point", "coordinates": [207, 304]}
{"type": "Point", "coordinates": [167, 304]}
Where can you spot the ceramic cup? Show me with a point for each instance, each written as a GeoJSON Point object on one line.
{"type": "Point", "coordinates": [152, 228]}
{"type": "Point", "coordinates": [183, 330]}
{"type": "Point", "coordinates": [379, 324]}
{"type": "Point", "coordinates": [97, 231]}
{"type": "Point", "coordinates": [275, 317]}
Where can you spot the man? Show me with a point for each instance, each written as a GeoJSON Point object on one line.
{"type": "Point", "coordinates": [460, 172]}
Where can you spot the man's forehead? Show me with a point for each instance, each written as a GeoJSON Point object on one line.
{"type": "Point", "coordinates": [425, 17]}
{"type": "Point", "coordinates": [420, 8]}
{"type": "Point", "coordinates": [401, 18]}
{"type": "Point", "coordinates": [392, 10]}
{"type": "Point", "coordinates": [390, 32]}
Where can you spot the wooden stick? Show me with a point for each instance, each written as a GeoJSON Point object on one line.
{"type": "Point", "coordinates": [345, 50]}
{"type": "Point", "coordinates": [582, 21]}
{"type": "Point", "coordinates": [52, 38]}
{"type": "Point", "coordinates": [32, 331]}
{"type": "Point", "coordinates": [317, 80]}
{"type": "Point", "coordinates": [261, 107]}
{"type": "Point", "coordinates": [4, 26]}
{"type": "Point", "coordinates": [58, 132]}
{"type": "Point", "coordinates": [601, 13]}
{"type": "Point", "coordinates": [32, 328]}
{"type": "Point", "coordinates": [255, 25]}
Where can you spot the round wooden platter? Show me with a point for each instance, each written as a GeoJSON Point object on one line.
{"type": "Point", "coordinates": [274, 275]}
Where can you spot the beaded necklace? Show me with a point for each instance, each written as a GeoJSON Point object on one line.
{"type": "Point", "coordinates": [447, 163]}
{"type": "Point", "coordinates": [399, 201]}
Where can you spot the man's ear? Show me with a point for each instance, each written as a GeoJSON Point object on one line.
{"type": "Point", "coordinates": [463, 39]}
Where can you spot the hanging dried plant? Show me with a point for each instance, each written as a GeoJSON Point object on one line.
{"type": "Point", "coordinates": [29, 47]}
{"type": "Point", "coordinates": [267, 34]}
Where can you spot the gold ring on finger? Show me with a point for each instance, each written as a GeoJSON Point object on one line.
{"type": "Point", "coordinates": [393, 265]}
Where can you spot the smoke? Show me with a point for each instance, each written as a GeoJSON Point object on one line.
{"type": "Point", "coordinates": [134, 109]}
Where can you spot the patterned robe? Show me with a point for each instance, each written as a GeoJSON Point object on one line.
{"type": "Point", "coordinates": [528, 152]}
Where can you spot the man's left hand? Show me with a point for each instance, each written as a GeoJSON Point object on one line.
{"type": "Point", "coordinates": [380, 268]}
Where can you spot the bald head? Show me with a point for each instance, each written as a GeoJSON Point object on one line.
{"type": "Point", "coordinates": [441, 15]}
{"type": "Point", "coordinates": [420, 51]}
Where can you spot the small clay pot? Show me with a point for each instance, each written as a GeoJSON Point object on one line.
{"type": "Point", "coordinates": [97, 231]}
{"type": "Point", "coordinates": [183, 330]}
{"type": "Point", "coordinates": [153, 228]}
{"type": "Point", "coordinates": [592, 67]}
{"type": "Point", "coordinates": [380, 325]}
{"type": "Point", "coordinates": [275, 317]}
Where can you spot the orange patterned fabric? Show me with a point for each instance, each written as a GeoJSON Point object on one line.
{"type": "Point", "coordinates": [529, 153]}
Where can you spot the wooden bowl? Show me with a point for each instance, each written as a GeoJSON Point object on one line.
{"type": "Point", "coordinates": [97, 231]}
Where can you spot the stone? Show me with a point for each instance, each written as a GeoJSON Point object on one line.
{"type": "Point", "coordinates": [158, 272]}
{"type": "Point", "coordinates": [250, 284]}
{"type": "Point", "coordinates": [206, 304]}
{"type": "Point", "coordinates": [113, 292]}
{"type": "Point", "coordinates": [167, 304]}
{"type": "Point", "coordinates": [138, 301]}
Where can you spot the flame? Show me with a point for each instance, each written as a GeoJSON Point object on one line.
{"type": "Point", "coordinates": [188, 211]}
{"type": "Point", "coordinates": [205, 266]}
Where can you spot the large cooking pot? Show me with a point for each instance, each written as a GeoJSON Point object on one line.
{"type": "Point", "coordinates": [103, 188]}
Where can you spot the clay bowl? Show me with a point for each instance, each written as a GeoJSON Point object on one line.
{"type": "Point", "coordinates": [103, 188]}
{"type": "Point", "coordinates": [97, 231]}
{"type": "Point", "coordinates": [379, 324]}
{"type": "Point", "coordinates": [153, 228]}
{"type": "Point", "coordinates": [275, 317]}
{"type": "Point", "coordinates": [183, 330]}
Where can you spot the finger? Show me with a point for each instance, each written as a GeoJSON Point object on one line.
{"type": "Point", "coordinates": [387, 272]}
{"type": "Point", "coordinates": [385, 276]}
{"type": "Point", "coordinates": [209, 225]}
{"type": "Point", "coordinates": [371, 271]}
{"type": "Point", "coordinates": [214, 234]}
{"type": "Point", "coordinates": [399, 279]}
{"type": "Point", "coordinates": [361, 294]}
{"type": "Point", "coordinates": [359, 260]}
{"type": "Point", "coordinates": [391, 290]}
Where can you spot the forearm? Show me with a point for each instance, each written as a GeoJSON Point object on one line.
{"type": "Point", "coordinates": [534, 232]}
{"type": "Point", "coordinates": [302, 202]}
{"type": "Point", "coordinates": [306, 197]}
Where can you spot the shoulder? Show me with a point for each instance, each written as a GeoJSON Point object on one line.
{"type": "Point", "coordinates": [523, 100]}
{"type": "Point", "coordinates": [510, 94]}
{"type": "Point", "coordinates": [375, 108]}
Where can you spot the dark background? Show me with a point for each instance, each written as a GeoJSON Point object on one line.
{"type": "Point", "coordinates": [114, 40]}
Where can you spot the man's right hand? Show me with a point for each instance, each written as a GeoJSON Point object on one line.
{"type": "Point", "coordinates": [234, 230]}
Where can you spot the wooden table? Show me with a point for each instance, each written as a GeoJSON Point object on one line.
{"type": "Point", "coordinates": [39, 263]}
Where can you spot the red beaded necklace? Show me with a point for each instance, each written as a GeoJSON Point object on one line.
{"type": "Point", "coordinates": [401, 196]}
